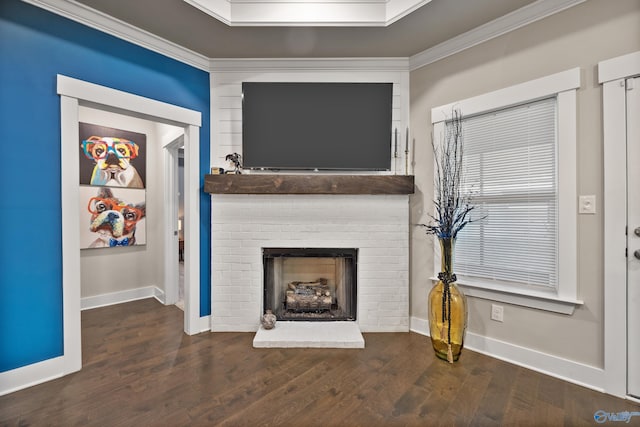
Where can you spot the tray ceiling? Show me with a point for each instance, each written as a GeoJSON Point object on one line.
{"type": "Point", "coordinates": [428, 25]}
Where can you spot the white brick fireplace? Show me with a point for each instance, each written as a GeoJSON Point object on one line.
{"type": "Point", "coordinates": [377, 225]}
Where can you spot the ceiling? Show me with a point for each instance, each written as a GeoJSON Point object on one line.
{"type": "Point", "coordinates": [429, 25]}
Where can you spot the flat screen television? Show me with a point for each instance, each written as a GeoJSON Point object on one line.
{"type": "Point", "coordinates": [317, 126]}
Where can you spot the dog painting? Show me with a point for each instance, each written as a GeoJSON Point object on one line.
{"type": "Point", "coordinates": [111, 157]}
{"type": "Point", "coordinates": [112, 221]}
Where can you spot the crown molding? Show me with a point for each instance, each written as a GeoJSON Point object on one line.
{"type": "Point", "coordinates": [503, 25]}
{"type": "Point", "coordinates": [110, 25]}
{"type": "Point", "coordinates": [400, 8]}
{"type": "Point", "coordinates": [312, 64]}
{"type": "Point", "coordinates": [218, 10]}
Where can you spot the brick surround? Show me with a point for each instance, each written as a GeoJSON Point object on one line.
{"type": "Point", "coordinates": [244, 224]}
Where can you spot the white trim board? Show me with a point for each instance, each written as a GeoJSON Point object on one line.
{"type": "Point", "coordinates": [34, 374]}
{"type": "Point", "coordinates": [525, 299]}
{"type": "Point", "coordinates": [621, 67]}
{"type": "Point", "coordinates": [505, 24]}
{"type": "Point", "coordinates": [112, 298]}
{"type": "Point", "coordinates": [93, 93]}
{"type": "Point", "coordinates": [558, 367]}
{"type": "Point", "coordinates": [172, 143]}
{"type": "Point", "coordinates": [523, 92]}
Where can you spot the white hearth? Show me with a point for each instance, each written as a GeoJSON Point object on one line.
{"type": "Point", "coordinates": [310, 335]}
{"type": "Point", "coordinates": [377, 225]}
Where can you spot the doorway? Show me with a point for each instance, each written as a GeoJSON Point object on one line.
{"type": "Point", "coordinates": [74, 93]}
{"type": "Point", "coordinates": [621, 141]}
{"type": "Point", "coordinates": [174, 173]}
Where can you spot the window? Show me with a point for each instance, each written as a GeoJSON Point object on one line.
{"type": "Point", "coordinates": [510, 162]}
{"type": "Point", "coordinates": [519, 157]}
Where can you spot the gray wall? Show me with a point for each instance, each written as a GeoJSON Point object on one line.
{"type": "Point", "coordinates": [578, 37]}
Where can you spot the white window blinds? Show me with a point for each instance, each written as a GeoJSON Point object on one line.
{"type": "Point", "coordinates": [511, 170]}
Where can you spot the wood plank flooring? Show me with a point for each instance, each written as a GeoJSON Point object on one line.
{"type": "Point", "coordinates": [139, 369]}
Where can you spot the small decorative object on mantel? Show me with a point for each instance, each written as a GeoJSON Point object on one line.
{"type": "Point", "coordinates": [447, 304]}
{"type": "Point", "coordinates": [235, 159]}
{"type": "Point", "coordinates": [217, 171]}
{"type": "Point", "coordinates": [268, 320]}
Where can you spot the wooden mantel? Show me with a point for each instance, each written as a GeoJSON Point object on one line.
{"type": "Point", "coordinates": [309, 184]}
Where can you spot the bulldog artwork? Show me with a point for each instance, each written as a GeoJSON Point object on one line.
{"type": "Point", "coordinates": [111, 157]}
{"type": "Point", "coordinates": [112, 221]}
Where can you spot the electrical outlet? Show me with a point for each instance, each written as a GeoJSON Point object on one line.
{"type": "Point", "coordinates": [497, 313]}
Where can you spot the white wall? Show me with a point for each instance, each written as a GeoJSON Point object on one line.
{"type": "Point", "coordinates": [578, 37]}
{"type": "Point", "coordinates": [121, 270]}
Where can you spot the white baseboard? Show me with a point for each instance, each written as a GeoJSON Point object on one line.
{"type": "Point", "coordinates": [120, 297]}
{"type": "Point", "coordinates": [235, 328]}
{"type": "Point", "coordinates": [30, 375]}
{"type": "Point", "coordinates": [385, 329]}
{"type": "Point", "coordinates": [558, 367]}
{"type": "Point", "coordinates": [419, 326]}
{"type": "Point", "coordinates": [159, 295]}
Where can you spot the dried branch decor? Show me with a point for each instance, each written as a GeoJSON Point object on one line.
{"type": "Point", "coordinates": [452, 205]}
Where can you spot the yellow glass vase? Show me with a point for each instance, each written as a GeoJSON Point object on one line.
{"type": "Point", "coordinates": [447, 309]}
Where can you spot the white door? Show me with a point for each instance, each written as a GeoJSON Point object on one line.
{"type": "Point", "coordinates": [633, 239]}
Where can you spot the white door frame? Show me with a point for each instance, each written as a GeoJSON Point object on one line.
{"type": "Point", "coordinates": [633, 243]}
{"type": "Point", "coordinates": [171, 201]}
{"type": "Point", "coordinates": [73, 93]}
{"type": "Point", "coordinates": [612, 74]}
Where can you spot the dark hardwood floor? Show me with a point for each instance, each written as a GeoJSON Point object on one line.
{"type": "Point", "coordinates": [139, 369]}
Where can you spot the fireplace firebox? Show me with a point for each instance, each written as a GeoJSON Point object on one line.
{"type": "Point", "coordinates": [310, 283]}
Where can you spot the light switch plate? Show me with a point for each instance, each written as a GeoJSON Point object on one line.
{"type": "Point", "coordinates": [587, 204]}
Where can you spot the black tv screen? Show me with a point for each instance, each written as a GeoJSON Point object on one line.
{"type": "Point", "coordinates": [324, 126]}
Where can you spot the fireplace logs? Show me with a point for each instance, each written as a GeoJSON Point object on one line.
{"type": "Point", "coordinates": [308, 296]}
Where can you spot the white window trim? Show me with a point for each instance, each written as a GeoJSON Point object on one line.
{"type": "Point", "coordinates": [564, 85]}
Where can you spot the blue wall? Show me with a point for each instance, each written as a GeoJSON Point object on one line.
{"type": "Point", "coordinates": [35, 46]}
